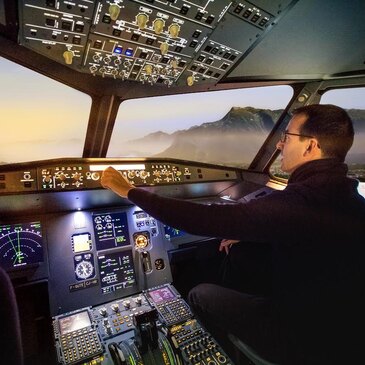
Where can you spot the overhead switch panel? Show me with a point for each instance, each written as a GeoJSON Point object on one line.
{"type": "Point", "coordinates": [153, 42]}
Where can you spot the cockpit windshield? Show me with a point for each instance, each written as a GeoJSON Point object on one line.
{"type": "Point", "coordinates": [41, 118]}
{"type": "Point", "coordinates": [220, 127]}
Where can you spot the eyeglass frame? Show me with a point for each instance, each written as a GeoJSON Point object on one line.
{"type": "Point", "coordinates": [285, 133]}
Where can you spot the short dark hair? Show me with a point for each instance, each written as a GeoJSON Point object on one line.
{"type": "Point", "coordinates": [332, 127]}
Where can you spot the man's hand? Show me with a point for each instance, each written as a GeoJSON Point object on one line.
{"type": "Point", "coordinates": [226, 245]}
{"type": "Point", "coordinates": [115, 181]}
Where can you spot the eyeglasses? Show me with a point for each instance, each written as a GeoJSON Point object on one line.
{"type": "Point", "coordinates": [283, 135]}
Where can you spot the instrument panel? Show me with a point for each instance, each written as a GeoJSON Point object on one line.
{"type": "Point", "coordinates": [109, 289]}
{"type": "Point", "coordinates": [107, 265]}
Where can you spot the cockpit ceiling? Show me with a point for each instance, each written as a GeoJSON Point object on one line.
{"type": "Point", "coordinates": [316, 39]}
{"type": "Point", "coordinates": [175, 43]}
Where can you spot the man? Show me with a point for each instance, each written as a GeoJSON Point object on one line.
{"type": "Point", "coordinates": [314, 229]}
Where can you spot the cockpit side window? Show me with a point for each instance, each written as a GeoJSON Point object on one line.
{"type": "Point", "coordinates": [353, 100]}
{"type": "Point", "coordinates": [41, 118]}
{"type": "Point", "coordinates": [220, 127]}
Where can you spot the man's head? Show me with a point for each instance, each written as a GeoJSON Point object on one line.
{"type": "Point", "coordinates": [315, 132]}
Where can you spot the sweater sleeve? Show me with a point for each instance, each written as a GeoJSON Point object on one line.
{"type": "Point", "coordinates": [256, 220]}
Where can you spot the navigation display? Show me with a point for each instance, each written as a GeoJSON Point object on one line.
{"type": "Point", "coordinates": [116, 271]}
{"type": "Point", "coordinates": [111, 230]}
{"type": "Point", "coordinates": [74, 322]}
{"type": "Point", "coordinates": [21, 244]}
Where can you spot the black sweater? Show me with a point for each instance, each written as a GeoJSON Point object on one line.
{"type": "Point", "coordinates": [319, 200]}
{"type": "Point", "coordinates": [316, 227]}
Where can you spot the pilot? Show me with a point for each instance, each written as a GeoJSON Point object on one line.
{"type": "Point", "coordinates": [311, 234]}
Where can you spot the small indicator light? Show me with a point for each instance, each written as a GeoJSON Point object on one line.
{"type": "Point", "coordinates": [118, 50]}
{"type": "Point", "coordinates": [129, 52]}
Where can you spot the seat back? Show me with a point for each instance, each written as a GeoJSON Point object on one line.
{"type": "Point", "coordinates": [248, 351]}
{"type": "Point", "coordinates": [10, 334]}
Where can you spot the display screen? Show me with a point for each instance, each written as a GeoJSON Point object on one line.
{"type": "Point", "coordinates": [116, 271]}
{"type": "Point", "coordinates": [74, 322]}
{"type": "Point", "coordinates": [81, 242]}
{"type": "Point", "coordinates": [161, 295]}
{"type": "Point", "coordinates": [21, 244]}
{"type": "Point", "coordinates": [111, 230]}
{"type": "Point", "coordinates": [171, 233]}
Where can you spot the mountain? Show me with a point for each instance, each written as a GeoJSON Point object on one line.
{"type": "Point", "coordinates": [238, 134]}
{"type": "Point", "coordinates": [148, 145]}
{"type": "Point", "coordinates": [242, 119]}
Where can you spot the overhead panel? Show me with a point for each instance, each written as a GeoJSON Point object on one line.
{"type": "Point", "coordinates": [172, 42]}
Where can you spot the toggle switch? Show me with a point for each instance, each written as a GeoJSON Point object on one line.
{"type": "Point", "coordinates": [190, 80]}
{"type": "Point", "coordinates": [68, 57]}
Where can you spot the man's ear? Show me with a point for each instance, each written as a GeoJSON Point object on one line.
{"type": "Point", "coordinates": [311, 146]}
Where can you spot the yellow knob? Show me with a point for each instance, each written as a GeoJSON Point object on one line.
{"type": "Point", "coordinates": [142, 20]}
{"type": "Point", "coordinates": [114, 11]}
{"type": "Point", "coordinates": [164, 48]}
{"type": "Point", "coordinates": [148, 69]}
{"type": "Point", "coordinates": [190, 80]}
{"type": "Point", "coordinates": [174, 30]}
{"type": "Point", "coordinates": [158, 25]}
{"type": "Point", "coordinates": [173, 63]}
{"type": "Point", "coordinates": [68, 56]}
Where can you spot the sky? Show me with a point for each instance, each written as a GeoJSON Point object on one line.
{"type": "Point", "coordinates": [41, 118]}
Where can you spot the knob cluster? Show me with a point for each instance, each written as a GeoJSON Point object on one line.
{"type": "Point", "coordinates": [158, 25]}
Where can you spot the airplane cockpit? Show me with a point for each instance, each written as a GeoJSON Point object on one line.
{"type": "Point", "coordinates": [186, 99]}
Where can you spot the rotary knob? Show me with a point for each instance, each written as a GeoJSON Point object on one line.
{"type": "Point", "coordinates": [77, 176]}
{"type": "Point", "coordinates": [174, 30]}
{"type": "Point", "coordinates": [115, 307]}
{"type": "Point", "coordinates": [173, 63]}
{"type": "Point", "coordinates": [148, 69]}
{"type": "Point", "coordinates": [127, 304]}
{"type": "Point", "coordinates": [103, 311]}
{"type": "Point", "coordinates": [47, 179]}
{"type": "Point", "coordinates": [114, 11]}
{"type": "Point", "coordinates": [61, 176]}
{"type": "Point", "coordinates": [158, 25]}
{"type": "Point", "coordinates": [164, 48]}
{"type": "Point", "coordinates": [143, 174]}
{"type": "Point", "coordinates": [142, 20]}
